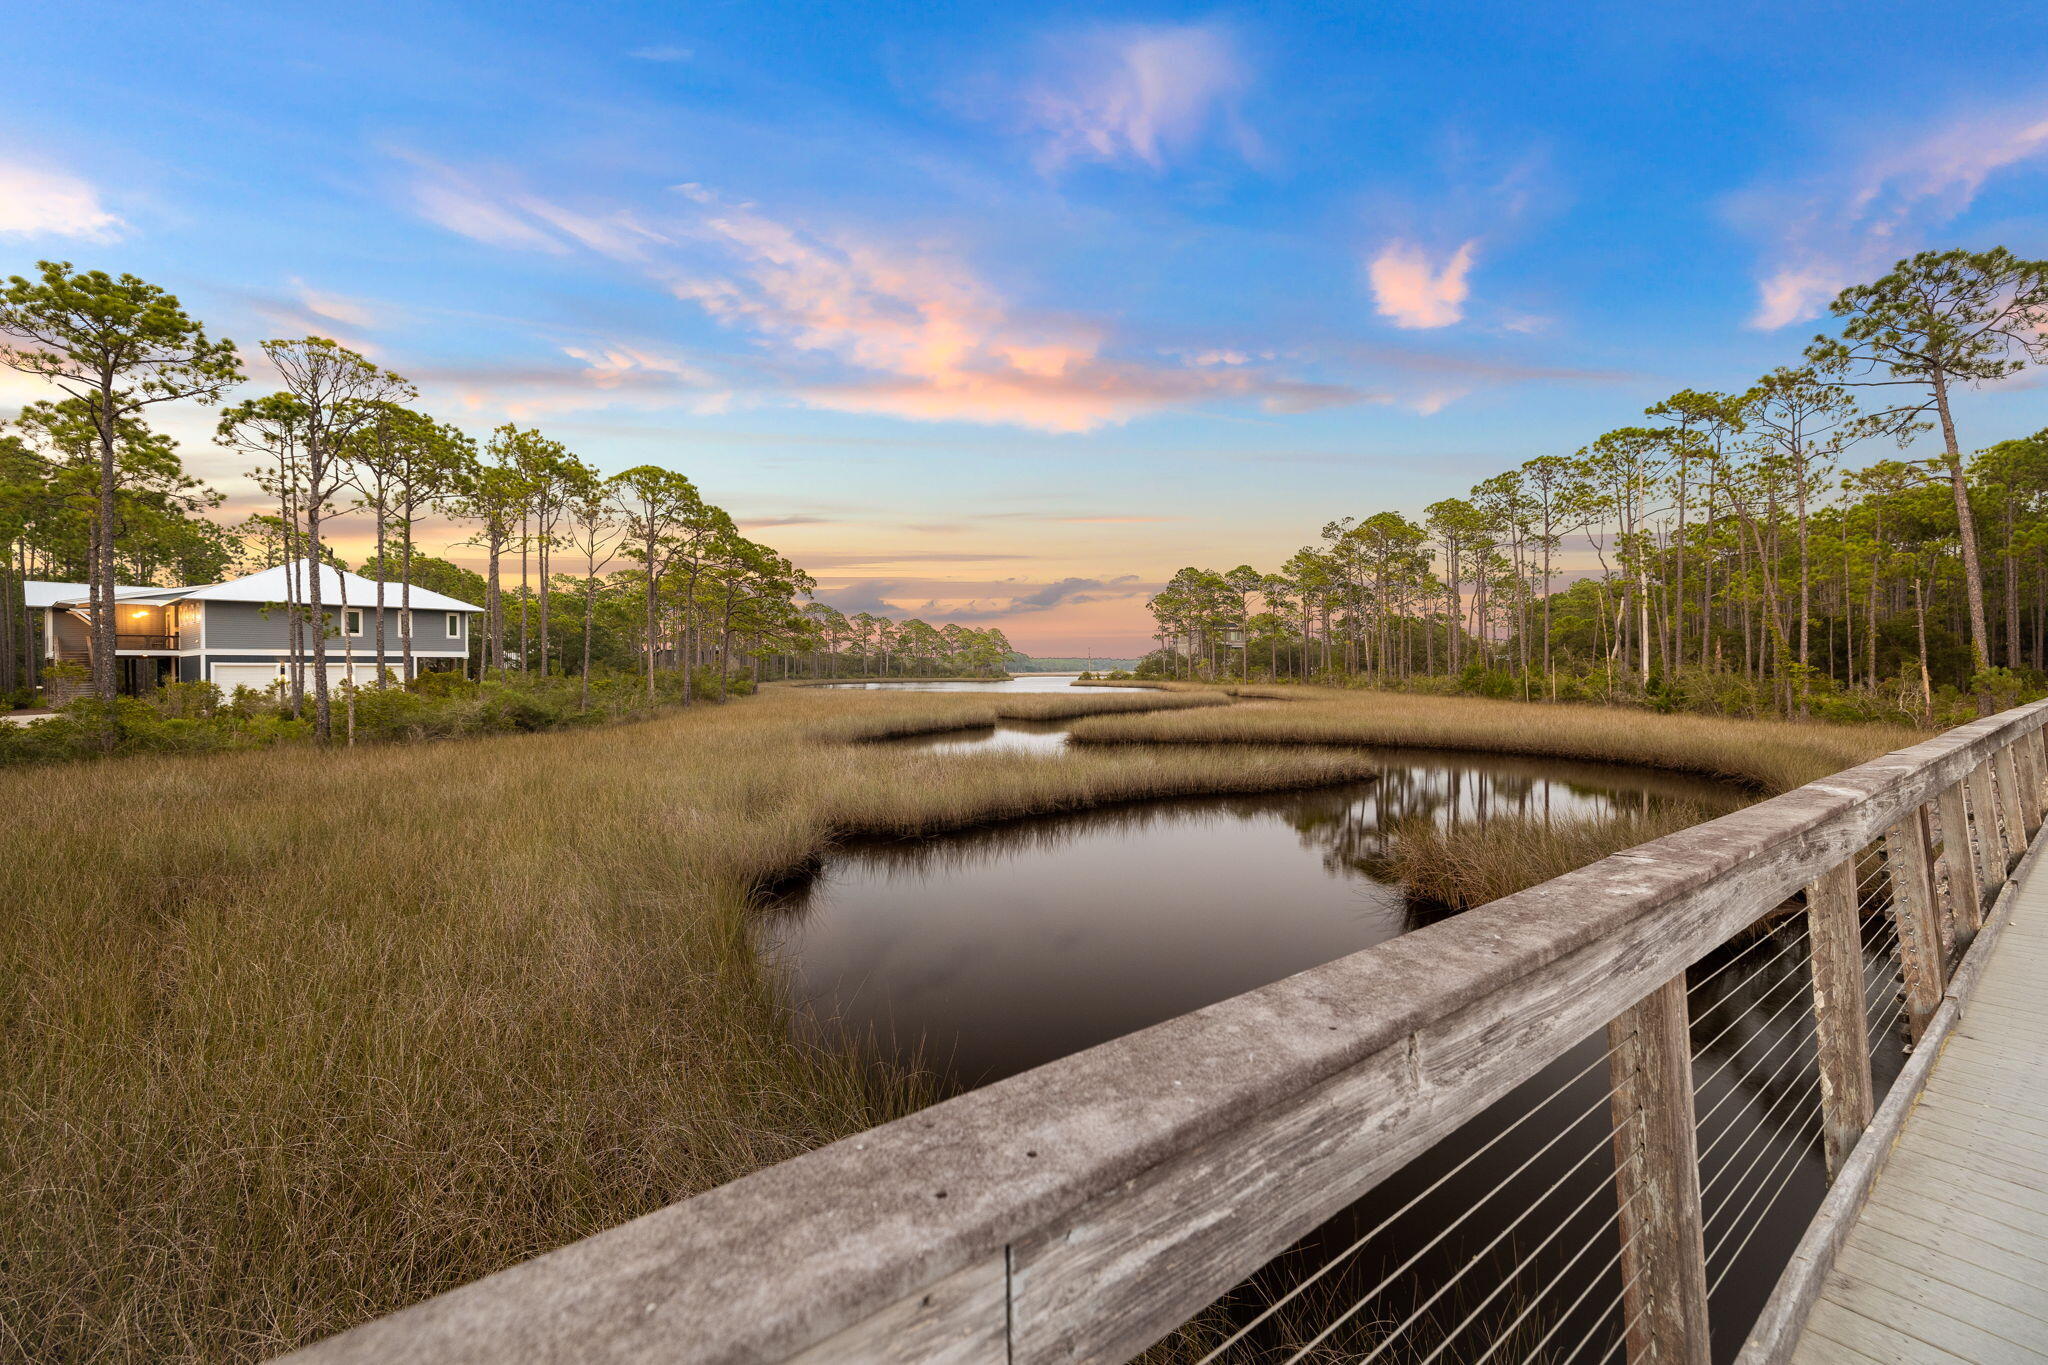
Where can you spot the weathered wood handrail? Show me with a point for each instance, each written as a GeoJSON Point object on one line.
{"type": "Point", "coordinates": [1082, 1210]}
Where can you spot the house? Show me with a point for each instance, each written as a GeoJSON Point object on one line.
{"type": "Point", "coordinates": [238, 633]}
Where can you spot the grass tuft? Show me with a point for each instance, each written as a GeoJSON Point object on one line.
{"type": "Point", "coordinates": [1473, 864]}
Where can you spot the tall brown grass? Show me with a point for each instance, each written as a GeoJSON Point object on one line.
{"type": "Point", "coordinates": [1473, 864]}
{"type": "Point", "coordinates": [1770, 755]}
{"type": "Point", "coordinates": [295, 1038]}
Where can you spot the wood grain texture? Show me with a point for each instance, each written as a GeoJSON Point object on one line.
{"type": "Point", "coordinates": [2027, 759]}
{"type": "Point", "coordinates": [962, 1320]}
{"type": "Point", "coordinates": [2006, 771]}
{"type": "Point", "coordinates": [1657, 1181]}
{"type": "Point", "coordinates": [1965, 894]}
{"type": "Point", "coordinates": [1991, 851]}
{"type": "Point", "coordinates": [1909, 859]}
{"type": "Point", "coordinates": [1842, 1024]}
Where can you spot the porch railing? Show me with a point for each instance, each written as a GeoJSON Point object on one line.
{"type": "Point", "coordinates": [1085, 1210]}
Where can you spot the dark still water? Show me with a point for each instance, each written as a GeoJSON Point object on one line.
{"type": "Point", "coordinates": [994, 951]}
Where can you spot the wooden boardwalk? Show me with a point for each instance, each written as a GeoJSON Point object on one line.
{"type": "Point", "coordinates": [1949, 1260]}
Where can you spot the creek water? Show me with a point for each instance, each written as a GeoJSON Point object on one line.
{"type": "Point", "coordinates": [985, 953]}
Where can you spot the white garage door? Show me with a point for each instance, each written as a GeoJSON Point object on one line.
{"type": "Point", "coordinates": [227, 677]}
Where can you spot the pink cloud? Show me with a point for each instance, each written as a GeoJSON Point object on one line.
{"type": "Point", "coordinates": [36, 201]}
{"type": "Point", "coordinates": [1850, 225]}
{"type": "Point", "coordinates": [1139, 93]}
{"type": "Point", "coordinates": [913, 332]}
{"type": "Point", "coordinates": [334, 307]}
{"type": "Point", "coordinates": [1409, 289]}
{"type": "Point", "coordinates": [936, 343]}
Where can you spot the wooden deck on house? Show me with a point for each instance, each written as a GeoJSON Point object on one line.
{"type": "Point", "coordinates": [1949, 1259]}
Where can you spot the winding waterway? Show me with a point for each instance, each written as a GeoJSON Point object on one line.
{"type": "Point", "coordinates": [996, 950]}
{"type": "Point", "coordinates": [985, 953]}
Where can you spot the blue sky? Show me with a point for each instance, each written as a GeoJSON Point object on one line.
{"type": "Point", "coordinates": [1001, 314]}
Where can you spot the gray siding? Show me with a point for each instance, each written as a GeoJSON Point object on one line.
{"type": "Point", "coordinates": [246, 626]}
{"type": "Point", "coordinates": [243, 628]}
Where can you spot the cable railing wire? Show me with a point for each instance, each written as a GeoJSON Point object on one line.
{"type": "Point", "coordinates": [1361, 1242]}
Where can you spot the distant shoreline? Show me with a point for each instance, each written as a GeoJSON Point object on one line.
{"type": "Point", "coordinates": [1068, 665]}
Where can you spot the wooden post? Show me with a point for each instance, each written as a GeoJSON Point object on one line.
{"type": "Point", "coordinates": [1965, 901]}
{"type": "Point", "coordinates": [2008, 781]}
{"type": "Point", "coordinates": [1908, 857]}
{"type": "Point", "coordinates": [1991, 862]}
{"type": "Point", "coordinates": [1841, 1021]}
{"type": "Point", "coordinates": [1657, 1178]}
{"type": "Point", "coordinates": [2037, 745]}
{"type": "Point", "coordinates": [2027, 786]}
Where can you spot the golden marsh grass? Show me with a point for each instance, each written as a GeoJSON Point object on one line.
{"type": "Point", "coordinates": [299, 1037]}
{"type": "Point", "coordinates": [1772, 756]}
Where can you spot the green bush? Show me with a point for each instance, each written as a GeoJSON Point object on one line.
{"type": "Point", "coordinates": [194, 718]}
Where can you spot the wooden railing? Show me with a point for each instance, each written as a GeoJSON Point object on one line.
{"type": "Point", "coordinates": [1083, 1210]}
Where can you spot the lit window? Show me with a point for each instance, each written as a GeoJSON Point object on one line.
{"type": "Point", "coordinates": [454, 625]}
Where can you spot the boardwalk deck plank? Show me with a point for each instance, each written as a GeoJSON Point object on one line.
{"type": "Point", "coordinates": [1949, 1258]}
{"type": "Point", "coordinates": [2016, 1246]}
{"type": "Point", "coordinates": [1837, 1334]}
{"type": "Point", "coordinates": [1960, 1262]}
{"type": "Point", "coordinates": [1921, 1308]}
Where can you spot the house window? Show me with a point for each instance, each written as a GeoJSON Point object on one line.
{"type": "Point", "coordinates": [352, 620]}
{"type": "Point", "coordinates": [454, 625]}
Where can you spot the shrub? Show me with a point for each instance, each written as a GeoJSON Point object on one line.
{"type": "Point", "coordinates": [193, 718]}
{"type": "Point", "coordinates": [188, 699]}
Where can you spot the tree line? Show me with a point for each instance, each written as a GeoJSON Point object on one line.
{"type": "Point", "coordinates": [1774, 549]}
{"type": "Point", "coordinates": [655, 577]}
{"type": "Point", "coordinates": [869, 645]}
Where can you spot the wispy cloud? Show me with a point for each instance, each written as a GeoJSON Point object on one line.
{"type": "Point", "coordinates": [335, 307]}
{"type": "Point", "coordinates": [1113, 521]}
{"type": "Point", "coordinates": [794, 519]}
{"type": "Point", "coordinates": [905, 330]}
{"type": "Point", "coordinates": [1848, 224]}
{"type": "Point", "coordinates": [932, 341]}
{"type": "Point", "coordinates": [1415, 292]}
{"type": "Point", "coordinates": [1139, 94]}
{"type": "Point", "coordinates": [931, 600]}
{"type": "Point", "coordinates": [36, 201]}
{"type": "Point", "coordinates": [661, 52]}
{"type": "Point", "coordinates": [589, 375]}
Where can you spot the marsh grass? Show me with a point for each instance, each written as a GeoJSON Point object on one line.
{"type": "Point", "coordinates": [298, 1037]}
{"type": "Point", "coordinates": [1473, 864]}
{"type": "Point", "coordinates": [1771, 756]}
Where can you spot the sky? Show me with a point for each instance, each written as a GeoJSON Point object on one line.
{"type": "Point", "coordinates": [1002, 313]}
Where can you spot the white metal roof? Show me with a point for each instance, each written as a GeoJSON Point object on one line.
{"type": "Point", "coordinates": [268, 586]}
{"type": "Point", "coordinates": [42, 594]}
{"type": "Point", "coordinates": [271, 586]}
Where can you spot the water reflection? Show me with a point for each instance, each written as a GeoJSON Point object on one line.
{"type": "Point", "coordinates": [1003, 948]}
{"type": "Point", "coordinates": [999, 949]}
